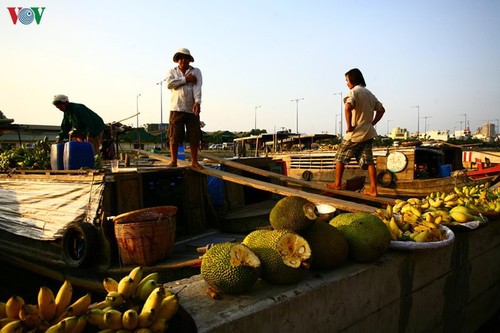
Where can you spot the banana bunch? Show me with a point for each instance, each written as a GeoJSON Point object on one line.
{"type": "Point", "coordinates": [462, 214]}
{"type": "Point", "coordinates": [408, 221]}
{"type": "Point", "coordinates": [52, 313]}
{"type": "Point", "coordinates": [134, 304]}
{"type": "Point", "coordinates": [479, 198]}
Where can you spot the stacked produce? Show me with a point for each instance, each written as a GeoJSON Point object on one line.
{"type": "Point", "coordinates": [418, 220]}
{"type": "Point", "coordinates": [133, 304]}
{"type": "Point", "coordinates": [297, 241]}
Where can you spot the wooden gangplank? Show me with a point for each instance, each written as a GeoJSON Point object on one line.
{"type": "Point", "coordinates": [303, 183]}
{"type": "Point", "coordinates": [270, 187]}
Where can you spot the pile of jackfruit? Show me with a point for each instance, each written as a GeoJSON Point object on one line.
{"type": "Point", "coordinates": [296, 241]}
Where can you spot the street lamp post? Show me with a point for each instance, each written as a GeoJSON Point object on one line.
{"type": "Point", "coordinates": [138, 132]}
{"type": "Point", "coordinates": [336, 122]}
{"type": "Point", "coordinates": [418, 119]}
{"type": "Point", "coordinates": [425, 122]}
{"type": "Point", "coordinates": [297, 102]}
{"type": "Point", "coordinates": [161, 111]}
{"type": "Point", "coordinates": [341, 104]}
{"type": "Point", "coordinates": [255, 124]}
{"type": "Point", "coordinates": [388, 121]}
{"type": "Point", "coordinates": [465, 120]}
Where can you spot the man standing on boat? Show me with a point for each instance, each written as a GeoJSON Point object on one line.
{"type": "Point", "coordinates": [184, 82]}
{"type": "Point", "coordinates": [360, 106]}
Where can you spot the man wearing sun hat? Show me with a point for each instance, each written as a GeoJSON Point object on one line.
{"type": "Point", "coordinates": [184, 82]}
{"type": "Point", "coordinates": [83, 123]}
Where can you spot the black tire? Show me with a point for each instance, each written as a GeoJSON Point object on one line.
{"type": "Point", "coordinates": [385, 178]}
{"type": "Point", "coordinates": [79, 244]}
{"type": "Point", "coordinates": [307, 175]}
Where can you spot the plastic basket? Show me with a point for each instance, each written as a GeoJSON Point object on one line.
{"type": "Point", "coordinates": [145, 236]}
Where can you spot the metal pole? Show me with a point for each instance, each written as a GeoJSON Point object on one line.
{"type": "Point", "coordinates": [341, 109]}
{"type": "Point", "coordinates": [418, 119]}
{"type": "Point", "coordinates": [255, 124]}
{"type": "Point", "coordinates": [297, 102]}
{"type": "Point", "coordinates": [425, 123]}
{"type": "Point", "coordinates": [388, 121]}
{"type": "Point", "coordinates": [138, 132]}
{"type": "Point", "coordinates": [161, 112]}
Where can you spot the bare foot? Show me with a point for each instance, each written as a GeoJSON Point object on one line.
{"type": "Point", "coordinates": [334, 186]}
{"type": "Point", "coordinates": [196, 166]}
{"type": "Point", "coordinates": [172, 165]}
{"type": "Point", "coordinates": [369, 192]}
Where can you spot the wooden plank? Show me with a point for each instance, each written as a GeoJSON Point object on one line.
{"type": "Point", "coordinates": [269, 187]}
{"type": "Point", "coordinates": [303, 183]}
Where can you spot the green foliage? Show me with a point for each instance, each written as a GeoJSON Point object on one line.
{"type": "Point", "coordinates": [36, 158]}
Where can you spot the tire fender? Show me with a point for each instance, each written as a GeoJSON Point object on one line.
{"type": "Point", "coordinates": [79, 244]}
{"type": "Point", "coordinates": [383, 180]}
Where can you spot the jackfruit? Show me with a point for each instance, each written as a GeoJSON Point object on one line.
{"type": "Point", "coordinates": [328, 245]}
{"type": "Point", "coordinates": [284, 255]}
{"type": "Point", "coordinates": [367, 235]}
{"type": "Point", "coordinates": [292, 213]}
{"type": "Point", "coordinates": [230, 268]}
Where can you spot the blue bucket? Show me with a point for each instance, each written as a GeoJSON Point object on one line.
{"type": "Point", "coordinates": [78, 155]}
{"type": "Point", "coordinates": [445, 170]}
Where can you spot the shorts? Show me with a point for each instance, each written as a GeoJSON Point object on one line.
{"type": "Point", "coordinates": [182, 123]}
{"type": "Point", "coordinates": [362, 151]}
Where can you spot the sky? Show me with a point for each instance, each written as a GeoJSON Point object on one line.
{"type": "Point", "coordinates": [434, 64]}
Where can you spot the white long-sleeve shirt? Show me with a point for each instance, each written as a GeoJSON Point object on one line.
{"type": "Point", "coordinates": [184, 95]}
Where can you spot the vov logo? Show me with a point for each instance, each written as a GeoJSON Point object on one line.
{"type": "Point", "coordinates": [26, 15]}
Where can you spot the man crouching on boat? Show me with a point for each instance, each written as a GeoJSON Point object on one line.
{"type": "Point", "coordinates": [360, 106]}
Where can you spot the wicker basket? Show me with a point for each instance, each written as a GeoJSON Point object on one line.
{"type": "Point", "coordinates": [145, 236]}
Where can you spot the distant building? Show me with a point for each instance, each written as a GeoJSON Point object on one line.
{"type": "Point", "coordinates": [399, 134]}
{"type": "Point", "coordinates": [442, 135]}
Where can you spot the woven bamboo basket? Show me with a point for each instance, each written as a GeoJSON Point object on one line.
{"type": "Point", "coordinates": [145, 236]}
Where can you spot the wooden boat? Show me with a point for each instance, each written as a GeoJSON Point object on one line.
{"type": "Point", "coordinates": [60, 224]}
{"type": "Point", "coordinates": [413, 171]}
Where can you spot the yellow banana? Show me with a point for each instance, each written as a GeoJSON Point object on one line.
{"type": "Point", "coordinates": [154, 300]}
{"type": "Point", "coordinates": [96, 318]}
{"type": "Point", "coordinates": [450, 197]}
{"type": "Point", "coordinates": [70, 324]}
{"type": "Point", "coordinates": [461, 209]}
{"type": "Point", "coordinates": [146, 319]}
{"type": "Point", "coordinates": [113, 319]}
{"type": "Point", "coordinates": [436, 203]}
{"type": "Point", "coordinates": [168, 307]}
{"type": "Point", "coordinates": [460, 217]}
{"type": "Point", "coordinates": [159, 325]}
{"type": "Point", "coordinates": [414, 210]}
{"type": "Point", "coordinates": [114, 299]}
{"type": "Point", "coordinates": [146, 289]}
{"type": "Point", "coordinates": [152, 276]}
{"type": "Point", "coordinates": [13, 305]}
{"type": "Point", "coordinates": [80, 306]}
{"type": "Point", "coordinates": [126, 286]}
{"type": "Point", "coordinates": [457, 191]}
{"type": "Point", "coordinates": [438, 220]}
{"type": "Point", "coordinates": [420, 228]}
{"type": "Point", "coordinates": [421, 237]}
{"type": "Point", "coordinates": [63, 297]}
{"type": "Point", "coordinates": [394, 229]}
{"type": "Point", "coordinates": [57, 328]}
{"type": "Point", "coordinates": [15, 326]}
{"type": "Point", "coordinates": [81, 323]}
{"type": "Point", "coordinates": [136, 275]}
{"type": "Point", "coordinates": [110, 284]}
{"type": "Point", "coordinates": [30, 315]}
{"type": "Point", "coordinates": [130, 319]}
{"type": "Point", "coordinates": [425, 205]}
{"type": "Point", "coordinates": [431, 225]}
{"type": "Point", "coordinates": [5, 321]}
{"type": "Point", "coordinates": [47, 303]}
